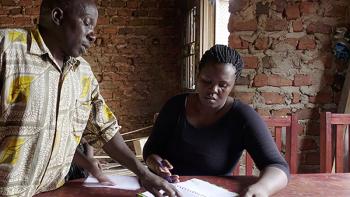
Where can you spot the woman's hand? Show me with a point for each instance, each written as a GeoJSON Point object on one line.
{"type": "Point", "coordinates": [154, 183]}
{"type": "Point", "coordinates": [255, 190]}
{"type": "Point", "coordinates": [162, 168]}
{"type": "Point", "coordinates": [271, 180]}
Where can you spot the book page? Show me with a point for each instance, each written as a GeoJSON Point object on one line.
{"type": "Point", "coordinates": [121, 182]}
{"type": "Point", "coordinates": [198, 188]}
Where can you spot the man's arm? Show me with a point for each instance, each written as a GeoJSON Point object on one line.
{"type": "Point", "coordinates": [119, 151]}
{"type": "Point", "coordinates": [92, 166]}
{"type": "Point", "coordinates": [2, 65]}
{"type": "Point", "coordinates": [107, 131]}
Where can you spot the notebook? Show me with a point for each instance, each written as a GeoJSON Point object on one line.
{"type": "Point", "coordinates": [197, 188]}
{"type": "Point", "coordinates": [121, 182]}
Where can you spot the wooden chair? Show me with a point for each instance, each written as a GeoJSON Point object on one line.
{"type": "Point", "coordinates": [332, 124]}
{"type": "Point", "coordinates": [290, 123]}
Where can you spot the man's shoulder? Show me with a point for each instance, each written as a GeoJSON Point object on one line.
{"type": "Point", "coordinates": [14, 34]}
{"type": "Point", "coordinates": [9, 36]}
{"type": "Point", "coordinates": [83, 64]}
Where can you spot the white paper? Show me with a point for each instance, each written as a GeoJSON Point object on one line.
{"type": "Point", "coordinates": [199, 188]}
{"type": "Point", "coordinates": [121, 182]}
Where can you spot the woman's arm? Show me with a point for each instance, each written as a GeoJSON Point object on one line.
{"type": "Point", "coordinates": [260, 145]}
{"type": "Point", "coordinates": [271, 180]}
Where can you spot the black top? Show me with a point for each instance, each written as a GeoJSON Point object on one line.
{"type": "Point", "coordinates": [215, 149]}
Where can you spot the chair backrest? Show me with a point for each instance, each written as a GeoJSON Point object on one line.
{"type": "Point", "coordinates": [290, 123]}
{"type": "Point", "coordinates": [332, 125]}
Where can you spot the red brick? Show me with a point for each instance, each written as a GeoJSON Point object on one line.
{"type": "Point", "coordinates": [15, 11]}
{"type": "Point", "coordinates": [302, 80]}
{"type": "Point", "coordinates": [245, 44]}
{"type": "Point", "coordinates": [260, 80]}
{"type": "Point", "coordinates": [296, 97]}
{"type": "Point", "coordinates": [118, 3]}
{"type": "Point", "coordinates": [262, 43]}
{"type": "Point", "coordinates": [25, 2]}
{"type": "Point", "coordinates": [32, 11]}
{"type": "Point", "coordinates": [291, 41]}
{"type": "Point", "coordinates": [276, 25]}
{"type": "Point", "coordinates": [298, 26]}
{"type": "Point", "coordinates": [235, 41]}
{"type": "Point", "coordinates": [6, 20]}
{"type": "Point", "coordinates": [237, 5]}
{"type": "Point", "coordinates": [336, 11]}
{"type": "Point", "coordinates": [243, 81]}
{"type": "Point", "coordinates": [121, 21]}
{"type": "Point", "coordinates": [272, 98]}
{"type": "Point", "coordinates": [132, 3]}
{"type": "Point", "coordinates": [107, 94]}
{"type": "Point", "coordinates": [103, 21]}
{"type": "Point", "coordinates": [318, 27]}
{"type": "Point", "coordinates": [306, 43]}
{"type": "Point", "coordinates": [327, 60]}
{"type": "Point", "coordinates": [281, 112]}
{"type": "Point", "coordinates": [109, 30]}
{"type": "Point", "coordinates": [250, 62]}
{"type": "Point", "coordinates": [3, 11]}
{"type": "Point", "coordinates": [125, 12]}
{"type": "Point", "coordinates": [292, 12]}
{"type": "Point", "coordinates": [149, 4]}
{"type": "Point", "coordinates": [307, 8]}
{"type": "Point", "coordinates": [246, 97]}
{"type": "Point", "coordinates": [8, 3]}
{"type": "Point", "coordinates": [144, 13]}
{"type": "Point", "coordinates": [280, 5]}
{"type": "Point", "coordinates": [263, 112]}
{"type": "Point", "coordinates": [307, 113]}
{"type": "Point", "coordinates": [277, 81]}
{"type": "Point", "coordinates": [235, 25]}
{"type": "Point", "coordinates": [22, 21]}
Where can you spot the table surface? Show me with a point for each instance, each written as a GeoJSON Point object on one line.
{"type": "Point", "coordinates": [299, 185]}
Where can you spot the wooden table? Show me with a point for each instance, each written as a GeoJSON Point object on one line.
{"type": "Point", "coordinates": [304, 185]}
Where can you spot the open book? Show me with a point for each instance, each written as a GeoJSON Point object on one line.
{"type": "Point", "coordinates": [197, 188]}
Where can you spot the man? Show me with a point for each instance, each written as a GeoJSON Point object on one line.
{"type": "Point", "coordinates": [46, 95]}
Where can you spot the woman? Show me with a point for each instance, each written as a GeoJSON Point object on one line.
{"type": "Point", "coordinates": [204, 133]}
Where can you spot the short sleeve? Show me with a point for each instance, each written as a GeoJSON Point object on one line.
{"type": "Point", "coordinates": [102, 124]}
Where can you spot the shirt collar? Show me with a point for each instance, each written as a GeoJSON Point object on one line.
{"type": "Point", "coordinates": [38, 47]}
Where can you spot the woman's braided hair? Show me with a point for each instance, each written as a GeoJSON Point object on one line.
{"type": "Point", "coordinates": [222, 54]}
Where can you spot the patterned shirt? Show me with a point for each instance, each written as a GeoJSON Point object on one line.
{"type": "Point", "coordinates": [43, 113]}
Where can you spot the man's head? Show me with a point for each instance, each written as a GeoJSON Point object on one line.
{"type": "Point", "coordinates": [70, 24]}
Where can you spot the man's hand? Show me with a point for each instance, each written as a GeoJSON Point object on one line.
{"type": "Point", "coordinates": [96, 171]}
{"type": "Point", "coordinates": [154, 183]}
{"type": "Point", "coordinates": [162, 168]}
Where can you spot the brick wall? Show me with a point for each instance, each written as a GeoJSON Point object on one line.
{"type": "Point", "coordinates": [135, 57]}
{"type": "Point", "coordinates": [289, 63]}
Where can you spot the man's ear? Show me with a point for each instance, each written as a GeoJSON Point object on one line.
{"type": "Point", "coordinates": [57, 15]}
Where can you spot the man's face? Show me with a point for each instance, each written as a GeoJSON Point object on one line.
{"type": "Point", "coordinates": [77, 28]}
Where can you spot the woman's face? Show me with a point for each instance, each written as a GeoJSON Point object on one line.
{"type": "Point", "coordinates": [215, 82]}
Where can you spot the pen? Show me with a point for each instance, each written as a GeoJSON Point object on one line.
{"type": "Point", "coordinates": [168, 178]}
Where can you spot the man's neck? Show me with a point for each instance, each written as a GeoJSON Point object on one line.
{"type": "Point", "coordinates": [52, 45]}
